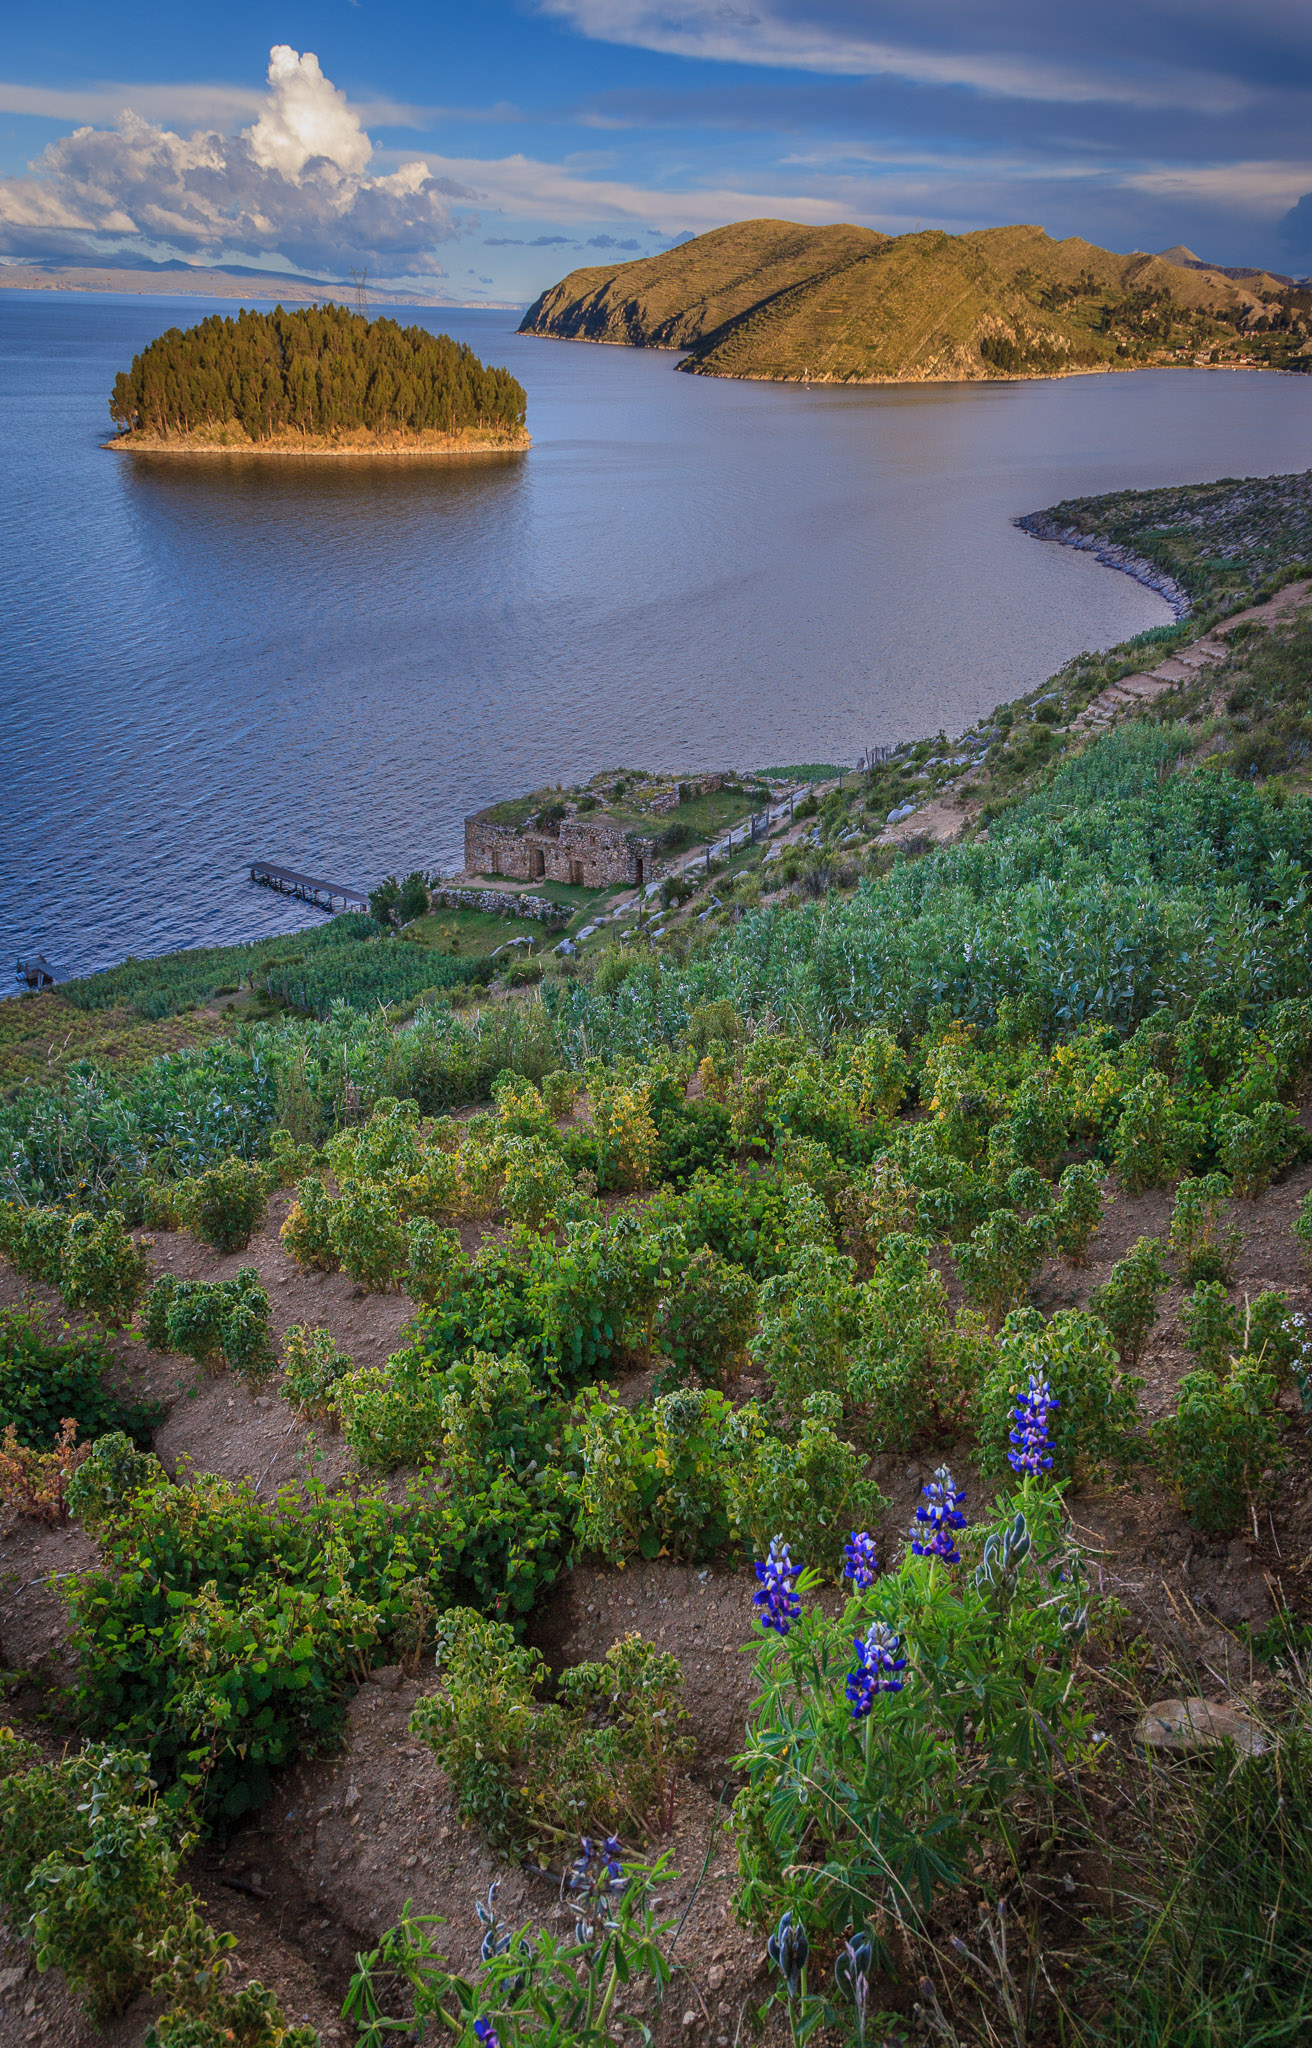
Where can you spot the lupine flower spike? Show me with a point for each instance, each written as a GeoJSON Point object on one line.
{"type": "Point", "coordinates": [778, 1602]}
{"type": "Point", "coordinates": [860, 1564]}
{"type": "Point", "coordinates": [877, 1668]}
{"type": "Point", "coordinates": [486, 2034]}
{"type": "Point", "coordinates": [1031, 1445]}
{"type": "Point", "coordinates": [938, 1517]}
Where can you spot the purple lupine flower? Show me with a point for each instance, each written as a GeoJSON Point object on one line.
{"type": "Point", "coordinates": [877, 1668]}
{"type": "Point", "coordinates": [486, 2034]}
{"type": "Point", "coordinates": [860, 1564]}
{"type": "Point", "coordinates": [1031, 1444]}
{"type": "Point", "coordinates": [937, 1517]}
{"type": "Point", "coordinates": [779, 1603]}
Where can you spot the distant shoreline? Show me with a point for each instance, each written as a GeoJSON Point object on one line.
{"type": "Point", "coordinates": [478, 441]}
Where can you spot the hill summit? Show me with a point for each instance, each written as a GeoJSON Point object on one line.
{"type": "Point", "coordinates": [771, 299]}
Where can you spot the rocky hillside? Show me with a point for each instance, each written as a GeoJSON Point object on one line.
{"type": "Point", "coordinates": [769, 299]}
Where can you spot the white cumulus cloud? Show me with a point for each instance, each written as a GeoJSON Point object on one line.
{"type": "Point", "coordinates": [294, 185]}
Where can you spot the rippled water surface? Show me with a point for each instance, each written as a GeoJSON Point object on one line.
{"type": "Point", "coordinates": [327, 664]}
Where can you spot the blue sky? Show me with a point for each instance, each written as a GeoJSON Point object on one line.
{"type": "Point", "coordinates": [482, 150]}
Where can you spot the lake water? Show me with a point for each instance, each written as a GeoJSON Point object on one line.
{"type": "Point", "coordinates": [327, 665]}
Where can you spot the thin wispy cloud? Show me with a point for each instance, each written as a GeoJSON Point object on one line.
{"type": "Point", "coordinates": [753, 35]}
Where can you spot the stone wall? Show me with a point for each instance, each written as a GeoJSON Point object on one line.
{"type": "Point", "coordinates": [499, 903]}
{"type": "Point", "coordinates": [586, 851]}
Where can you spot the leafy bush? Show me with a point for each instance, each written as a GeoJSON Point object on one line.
{"type": "Point", "coordinates": [45, 1379]}
{"type": "Point", "coordinates": [599, 1758]}
{"type": "Point", "coordinates": [1252, 1149]}
{"type": "Point", "coordinates": [217, 1322]}
{"type": "Point", "coordinates": [705, 1320]}
{"type": "Point", "coordinates": [560, 1092]}
{"type": "Point", "coordinates": [877, 1204]}
{"type": "Point", "coordinates": [812, 1491]}
{"type": "Point", "coordinates": [1127, 1300]}
{"type": "Point", "coordinates": [308, 1229]}
{"type": "Point", "coordinates": [236, 1650]}
{"type": "Point", "coordinates": [312, 1367]}
{"type": "Point", "coordinates": [111, 1473]}
{"type": "Point", "coordinates": [1077, 1212]}
{"type": "Point", "coordinates": [904, 1369]}
{"type": "Point", "coordinates": [33, 1240]}
{"type": "Point", "coordinates": [88, 1874]}
{"type": "Point", "coordinates": [1212, 1329]}
{"type": "Point", "coordinates": [368, 1235]}
{"type": "Point", "coordinates": [1155, 1138]}
{"type": "Point", "coordinates": [226, 1203]}
{"type": "Point", "coordinates": [652, 1481]}
{"type": "Point", "coordinates": [89, 1871]}
{"type": "Point", "coordinates": [100, 1269]}
{"type": "Point", "coordinates": [1204, 1247]}
{"type": "Point", "coordinates": [810, 1316]}
{"type": "Point", "coordinates": [1000, 1259]}
{"type": "Point", "coordinates": [1221, 1443]}
{"type": "Point", "coordinates": [1095, 1415]}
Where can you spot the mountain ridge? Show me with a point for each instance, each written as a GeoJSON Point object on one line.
{"type": "Point", "coordinates": [775, 301]}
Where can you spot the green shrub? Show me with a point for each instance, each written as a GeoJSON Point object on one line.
{"type": "Point", "coordinates": [1000, 1259]}
{"type": "Point", "coordinates": [308, 1229]}
{"type": "Point", "coordinates": [1077, 1212]}
{"type": "Point", "coordinates": [33, 1240]}
{"type": "Point", "coordinates": [560, 1092]}
{"type": "Point", "coordinates": [810, 1316]}
{"type": "Point", "coordinates": [226, 1203]}
{"type": "Point", "coordinates": [1220, 1444]}
{"type": "Point", "coordinates": [1155, 1137]}
{"type": "Point", "coordinates": [100, 1269]}
{"type": "Point", "coordinates": [112, 1472]}
{"type": "Point", "coordinates": [1093, 1425]}
{"type": "Point", "coordinates": [45, 1379]}
{"type": "Point", "coordinates": [812, 1491]}
{"type": "Point", "coordinates": [652, 1481]}
{"type": "Point", "coordinates": [1252, 1149]}
{"type": "Point", "coordinates": [1127, 1300]}
{"type": "Point", "coordinates": [434, 1263]}
{"type": "Point", "coordinates": [90, 1869]}
{"type": "Point", "coordinates": [368, 1236]}
{"type": "Point", "coordinates": [598, 1759]}
{"type": "Point", "coordinates": [390, 1417]}
{"type": "Point", "coordinates": [704, 1322]}
{"type": "Point", "coordinates": [1212, 1329]}
{"type": "Point", "coordinates": [218, 1323]}
{"type": "Point", "coordinates": [237, 1650]}
{"type": "Point", "coordinates": [904, 1368]}
{"type": "Point", "coordinates": [312, 1367]}
{"type": "Point", "coordinates": [1201, 1243]}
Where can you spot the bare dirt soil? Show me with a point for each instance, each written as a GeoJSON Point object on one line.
{"type": "Point", "coordinates": [350, 1837]}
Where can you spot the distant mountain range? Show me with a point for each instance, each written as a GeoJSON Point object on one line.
{"type": "Point", "coordinates": [217, 281]}
{"type": "Point", "coordinates": [769, 299]}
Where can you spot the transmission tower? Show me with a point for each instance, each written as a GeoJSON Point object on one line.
{"type": "Point", "coordinates": [360, 279]}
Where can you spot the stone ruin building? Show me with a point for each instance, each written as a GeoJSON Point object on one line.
{"type": "Point", "coordinates": [595, 852]}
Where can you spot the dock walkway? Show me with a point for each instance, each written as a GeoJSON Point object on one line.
{"type": "Point", "coordinates": [310, 888]}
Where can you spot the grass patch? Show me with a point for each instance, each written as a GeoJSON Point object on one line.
{"type": "Point", "coordinates": [466, 934]}
{"type": "Point", "coordinates": [42, 1035]}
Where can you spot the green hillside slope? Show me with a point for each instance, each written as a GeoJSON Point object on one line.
{"type": "Point", "coordinates": [845, 305]}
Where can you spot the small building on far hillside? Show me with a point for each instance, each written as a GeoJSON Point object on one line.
{"type": "Point", "coordinates": [597, 853]}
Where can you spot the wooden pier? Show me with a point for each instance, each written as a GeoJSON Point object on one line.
{"type": "Point", "coordinates": [310, 888]}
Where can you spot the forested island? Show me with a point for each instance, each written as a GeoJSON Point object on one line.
{"type": "Point", "coordinates": [846, 305]}
{"type": "Point", "coordinates": [318, 379]}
